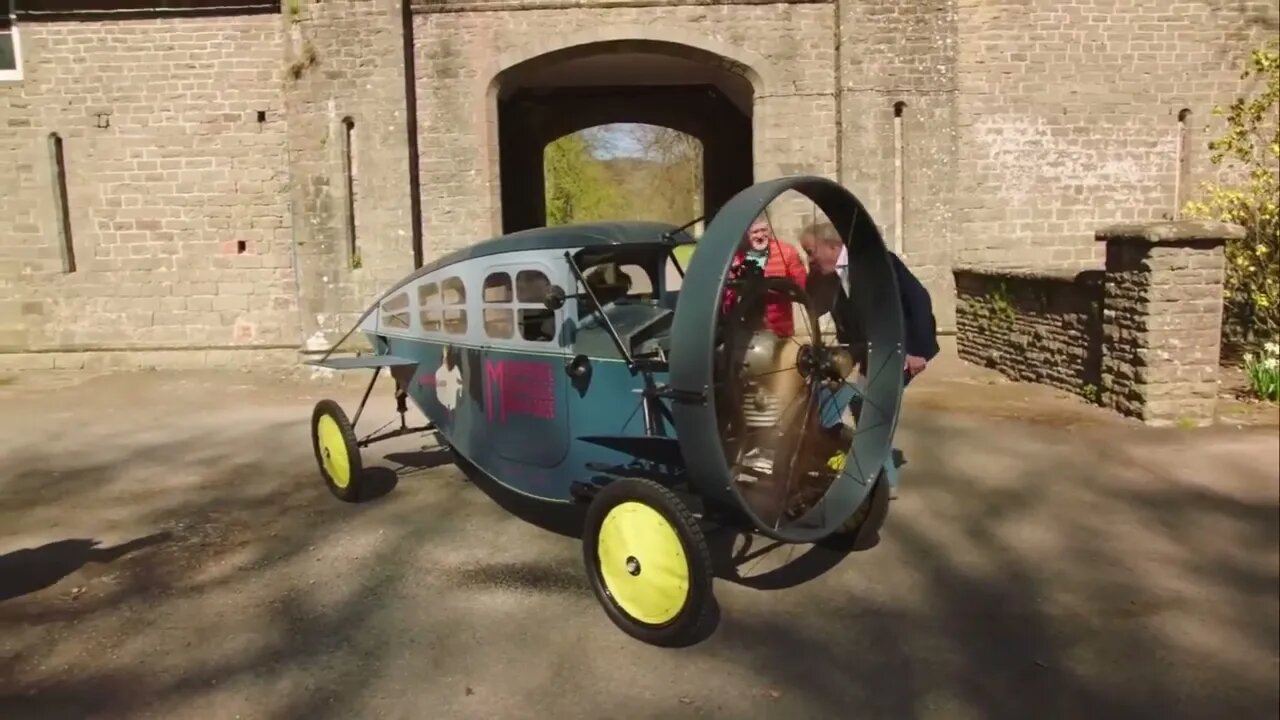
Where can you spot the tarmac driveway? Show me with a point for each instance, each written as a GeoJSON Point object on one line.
{"type": "Point", "coordinates": [167, 550]}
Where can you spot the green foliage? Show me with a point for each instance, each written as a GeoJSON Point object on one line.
{"type": "Point", "coordinates": [1263, 372]}
{"type": "Point", "coordinates": [306, 59]}
{"type": "Point", "coordinates": [1092, 393]}
{"type": "Point", "coordinates": [578, 189]}
{"type": "Point", "coordinates": [683, 254]}
{"type": "Point", "coordinates": [668, 188]}
{"type": "Point", "coordinates": [1002, 303]}
{"type": "Point", "coordinates": [662, 183]}
{"type": "Point", "coordinates": [1250, 149]}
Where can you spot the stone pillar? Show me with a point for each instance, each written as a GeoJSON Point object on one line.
{"type": "Point", "coordinates": [1162, 319]}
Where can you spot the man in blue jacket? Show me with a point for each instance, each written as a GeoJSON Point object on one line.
{"type": "Point", "coordinates": [828, 287]}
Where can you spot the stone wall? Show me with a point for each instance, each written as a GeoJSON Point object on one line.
{"type": "Point", "coordinates": [345, 90]}
{"type": "Point", "coordinates": [1141, 336]}
{"type": "Point", "coordinates": [464, 46]}
{"type": "Point", "coordinates": [895, 52]}
{"type": "Point", "coordinates": [1163, 319]}
{"type": "Point", "coordinates": [1068, 116]}
{"type": "Point", "coordinates": [173, 133]}
{"type": "Point", "coordinates": [1042, 326]}
{"type": "Point", "coordinates": [1024, 126]}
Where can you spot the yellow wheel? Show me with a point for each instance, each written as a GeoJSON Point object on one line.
{"type": "Point", "coordinates": [334, 442]}
{"type": "Point", "coordinates": [647, 562]}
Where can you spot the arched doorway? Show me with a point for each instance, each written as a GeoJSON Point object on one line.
{"type": "Point", "coordinates": [622, 81]}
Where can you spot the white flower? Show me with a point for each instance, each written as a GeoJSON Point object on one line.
{"type": "Point", "coordinates": [1272, 348]}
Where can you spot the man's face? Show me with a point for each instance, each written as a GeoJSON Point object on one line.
{"type": "Point", "coordinates": [823, 257]}
{"type": "Point", "coordinates": [758, 235]}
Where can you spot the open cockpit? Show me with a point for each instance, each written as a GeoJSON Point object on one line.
{"type": "Point", "coordinates": [629, 291]}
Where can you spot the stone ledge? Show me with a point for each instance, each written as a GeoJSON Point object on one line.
{"type": "Point", "coordinates": [88, 10]}
{"type": "Point", "coordinates": [1067, 273]}
{"type": "Point", "coordinates": [1181, 232]}
{"type": "Point", "coordinates": [143, 359]}
{"type": "Point", "coordinates": [428, 7]}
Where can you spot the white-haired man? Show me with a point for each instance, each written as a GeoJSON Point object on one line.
{"type": "Point", "coordinates": [828, 283]}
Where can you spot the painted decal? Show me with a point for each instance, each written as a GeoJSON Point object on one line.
{"type": "Point", "coordinates": [447, 380]}
{"type": "Point", "coordinates": [519, 387]}
{"type": "Point", "coordinates": [448, 385]}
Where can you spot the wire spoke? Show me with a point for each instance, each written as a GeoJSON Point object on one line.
{"type": "Point", "coordinates": [770, 373]}
{"type": "Point", "coordinates": [375, 432]}
{"type": "Point", "coordinates": [862, 396]}
{"type": "Point", "coordinates": [791, 464]}
{"type": "Point", "coordinates": [804, 389]}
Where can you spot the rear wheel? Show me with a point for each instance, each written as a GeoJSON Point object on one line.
{"type": "Point", "coordinates": [859, 518]}
{"type": "Point", "coordinates": [870, 514]}
{"type": "Point", "coordinates": [334, 441]}
{"type": "Point", "coordinates": [647, 562]}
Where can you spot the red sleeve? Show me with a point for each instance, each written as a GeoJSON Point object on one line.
{"type": "Point", "coordinates": [795, 265]}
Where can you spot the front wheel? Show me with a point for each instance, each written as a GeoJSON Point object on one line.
{"type": "Point", "coordinates": [334, 441]}
{"type": "Point", "coordinates": [647, 562]}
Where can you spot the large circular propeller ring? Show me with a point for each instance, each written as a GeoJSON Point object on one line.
{"type": "Point", "coordinates": [707, 375]}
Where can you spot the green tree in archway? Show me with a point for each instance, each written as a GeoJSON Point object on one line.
{"type": "Point", "coordinates": [578, 188]}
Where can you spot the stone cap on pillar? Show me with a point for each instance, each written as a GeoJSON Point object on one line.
{"type": "Point", "coordinates": [1175, 232]}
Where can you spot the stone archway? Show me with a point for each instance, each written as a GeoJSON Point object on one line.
{"type": "Point", "coordinates": [681, 87]}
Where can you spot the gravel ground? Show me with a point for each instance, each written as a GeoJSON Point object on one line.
{"type": "Point", "coordinates": [167, 551]}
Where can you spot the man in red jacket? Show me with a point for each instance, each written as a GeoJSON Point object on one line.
{"type": "Point", "coordinates": [775, 258]}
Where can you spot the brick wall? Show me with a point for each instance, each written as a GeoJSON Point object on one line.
{"type": "Point", "coordinates": [460, 51]}
{"type": "Point", "coordinates": [1140, 336]}
{"type": "Point", "coordinates": [1042, 326]}
{"type": "Point", "coordinates": [1025, 127]}
{"type": "Point", "coordinates": [1068, 115]}
{"type": "Point", "coordinates": [346, 62]}
{"type": "Point", "coordinates": [177, 206]}
{"type": "Point", "coordinates": [898, 52]}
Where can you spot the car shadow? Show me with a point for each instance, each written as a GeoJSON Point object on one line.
{"type": "Point", "coordinates": [818, 559]}
{"type": "Point", "coordinates": [565, 519]}
{"type": "Point", "coordinates": [30, 570]}
{"type": "Point", "coordinates": [379, 480]}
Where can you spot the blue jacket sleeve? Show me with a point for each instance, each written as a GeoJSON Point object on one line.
{"type": "Point", "coordinates": [920, 326]}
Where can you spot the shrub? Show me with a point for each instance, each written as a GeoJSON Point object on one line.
{"type": "Point", "coordinates": [1264, 372]}
{"type": "Point", "coordinates": [1250, 150]}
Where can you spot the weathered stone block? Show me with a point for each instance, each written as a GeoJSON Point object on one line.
{"type": "Point", "coordinates": [1162, 336]}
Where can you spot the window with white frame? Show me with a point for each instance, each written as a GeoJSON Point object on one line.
{"type": "Point", "coordinates": [10, 48]}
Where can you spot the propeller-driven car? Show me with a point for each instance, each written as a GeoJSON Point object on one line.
{"type": "Point", "coordinates": [584, 364]}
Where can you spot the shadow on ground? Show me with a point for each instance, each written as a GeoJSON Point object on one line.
{"type": "Point", "coordinates": [31, 569]}
{"type": "Point", "coordinates": [1024, 573]}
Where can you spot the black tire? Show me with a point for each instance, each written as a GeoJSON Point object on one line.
{"type": "Point", "coordinates": [863, 526]}
{"type": "Point", "coordinates": [687, 624]}
{"type": "Point", "coordinates": [326, 410]}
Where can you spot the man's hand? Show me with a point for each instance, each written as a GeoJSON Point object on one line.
{"type": "Point", "coordinates": [914, 365]}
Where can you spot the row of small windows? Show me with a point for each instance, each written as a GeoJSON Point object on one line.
{"type": "Point", "coordinates": [442, 307]}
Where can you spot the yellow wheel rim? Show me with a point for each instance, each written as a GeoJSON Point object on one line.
{"type": "Point", "coordinates": [642, 563]}
{"type": "Point", "coordinates": [333, 451]}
